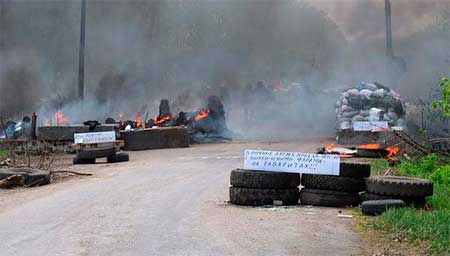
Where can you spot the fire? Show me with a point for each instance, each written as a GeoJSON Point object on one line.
{"type": "Point", "coordinates": [392, 151]}
{"type": "Point", "coordinates": [61, 119]}
{"type": "Point", "coordinates": [329, 147]}
{"type": "Point", "coordinates": [138, 121]}
{"type": "Point", "coordinates": [161, 120]}
{"type": "Point", "coordinates": [203, 114]}
{"type": "Point", "coordinates": [370, 146]}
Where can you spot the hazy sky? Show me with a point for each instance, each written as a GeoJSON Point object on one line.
{"type": "Point", "coordinates": [357, 17]}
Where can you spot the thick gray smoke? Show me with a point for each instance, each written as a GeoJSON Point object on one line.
{"type": "Point", "coordinates": [138, 52]}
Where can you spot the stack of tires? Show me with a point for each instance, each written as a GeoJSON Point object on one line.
{"type": "Point", "coordinates": [394, 191]}
{"type": "Point", "coordinates": [257, 188]}
{"type": "Point", "coordinates": [88, 156]}
{"type": "Point", "coordinates": [335, 191]}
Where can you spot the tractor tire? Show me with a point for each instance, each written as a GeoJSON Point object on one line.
{"type": "Point", "coordinates": [320, 197]}
{"type": "Point", "coordinates": [399, 186]}
{"type": "Point", "coordinates": [335, 183]}
{"type": "Point", "coordinates": [413, 201]}
{"type": "Point", "coordinates": [260, 197]}
{"type": "Point", "coordinates": [95, 153]}
{"type": "Point", "coordinates": [354, 170]}
{"type": "Point", "coordinates": [77, 160]}
{"type": "Point", "coordinates": [260, 179]}
{"type": "Point", "coordinates": [377, 207]}
{"type": "Point", "coordinates": [118, 158]}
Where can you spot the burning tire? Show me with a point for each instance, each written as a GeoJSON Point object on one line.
{"type": "Point", "coordinates": [335, 183]}
{"type": "Point", "coordinates": [354, 170]}
{"type": "Point", "coordinates": [259, 197]}
{"type": "Point", "coordinates": [377, 207]}
{"type": "Point", "coordinates": [77, 160]}
{"type": "Point", "coordinates": [399, 186]}
{"type": "Point", "coordinates": [259, 179]}
{"type": "Point", "coordinates": [118, 158]}
{"type": "Point", "coordinates": [415, 201]}
{"type": "Point", "coordinates": [320, 197]}
{"type": "Point", "coordinates": [95, 153]}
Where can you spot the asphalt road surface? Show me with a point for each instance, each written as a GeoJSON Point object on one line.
{"type": "Point", "coordinates": [167, 202]}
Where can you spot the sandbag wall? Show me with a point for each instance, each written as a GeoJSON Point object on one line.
{"type": "Point", "coordinates": [355, 105]}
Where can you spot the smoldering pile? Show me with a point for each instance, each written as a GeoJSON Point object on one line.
{"type": "Point", "coordinates": [359, 104]}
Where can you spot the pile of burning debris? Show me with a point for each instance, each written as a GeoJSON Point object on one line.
{"type": "Point", "coordinates": [369, 102]}
{"type": "Point", "coordinates": [373, 150]}
{"type": "Point", "coordinates": [207, 124]}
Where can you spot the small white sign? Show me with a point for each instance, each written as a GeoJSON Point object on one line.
{"type": "Point", "coordinates": [94, 137]}
{"type": "Point", "coordinates": [370, 126]}
{"type": "Point", "coordinates": [280, 161]}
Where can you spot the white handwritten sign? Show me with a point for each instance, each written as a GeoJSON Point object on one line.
{"type": "Point", "coordinates": [279, 161]}
{"type": "Point", "coordinates": [94, 137]}
{"type": "Point", "coordinates": [369, 126]}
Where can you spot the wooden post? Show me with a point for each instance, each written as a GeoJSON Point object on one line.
{"type": "Point", "coordinates": [389, 47]}
{"type": "Point", "coordinates": [81, 51]}
{"type": "Point", "coordinates": [33, 125]}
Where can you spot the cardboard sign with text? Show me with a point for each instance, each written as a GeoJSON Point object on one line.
{"type": "Point", "coordinates": [94, 137]}
{"type": "Point", "coordinates": [280, 161]}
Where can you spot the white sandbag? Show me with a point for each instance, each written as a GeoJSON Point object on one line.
{"type": "Point", "coordinates": [346, 108]}
{"type": "Point", "coordinates": [366, 93]}
{"type": "Point", "coordinates": [349, 114]}
{"type": "Point", "coordinates": [369, 86]}
{"type": "Point", "coordinates": [358, 118]}
{"type": "Point", "coordinates": [344, 125]}
{"type": "Point", "coordinates": [364, 113]}
{"type": "Point", "coordinates": [344, 119]}
{"type": "Point", "coordinates": [379, 93]}
{"type": "Point", "coordinates": [393, 115]}
{"type": "Point", "coordinates": [352, 92]}
{"type": "Point", "coordinates": [344, 101]}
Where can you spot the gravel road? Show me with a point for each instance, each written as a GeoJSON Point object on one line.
{"type": "Point", "coordinates": [167, 202]}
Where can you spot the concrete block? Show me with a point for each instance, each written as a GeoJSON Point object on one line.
{"type": "Point", "coordinates": [156, 138]}
{"type": "Point", "coordinates": [65, 133]}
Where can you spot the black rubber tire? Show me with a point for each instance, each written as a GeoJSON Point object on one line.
{"type": "Point", "coordinates": [118, 158]}
{"type": "Point", "coordinates": [77, 160]}
{"type": "Point", "coordinates": [414, 201]}
{"type": "Point", "coordinates": [33, 177]}
{"type": "Point", "coordinates": [259, 179]}
{"type": "Point", "coordinates": [95, 153]}
{"type": "Point", "coordinates": [399, 186]}
{"type": "Point", "coordinates": [259, 197]}
{"type": "Point", "coordinates": [320, 197]}
{"type": "Point", "coordinates": [335, 183]}
{"type": "Point", "coordinates": [377, 207]}
{"type": "Point", "coordinates": [354, 170]}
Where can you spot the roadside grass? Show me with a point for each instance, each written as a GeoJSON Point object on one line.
{"type": "Point", "coordinates": [431, 227]}
{"type": "Point", "coordinates": [5, 154]}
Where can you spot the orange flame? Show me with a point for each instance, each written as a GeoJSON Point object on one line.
{"type": "Point", "coordinates": [138, 121]}
{"type": "Point", "coordinates": [203, 114]}
{"type": "Point", "coordinates": [370, 146]}
{"type": "Point", "coordinates": [61, 119]}
{"type": "Point", "coordinates": [161, 120]}
{"type": "Point", "coordinates": [329, 147]}
{"type": "Point", "coordinates": [392, 151]}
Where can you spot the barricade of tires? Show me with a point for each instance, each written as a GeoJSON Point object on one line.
{"type": "Point", "coordinates": [335, 191]}
{"type": "Point", "coordinates": [258, 188]}
{"type": "Point", "coordinates": [387, 192]}
{"type": "Point", "coordinates": [89, 156]}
